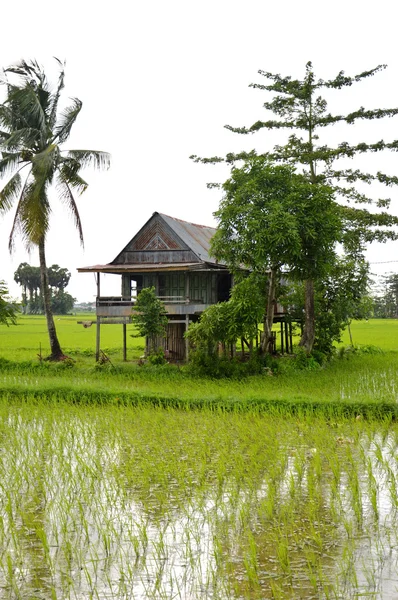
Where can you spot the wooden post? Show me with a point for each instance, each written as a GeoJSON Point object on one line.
{"type": "Point", "coordinates": [186, 339]}
{"type": "Point", "coordinates": [124, 342]}
{"type": "Point", "coordinates": [98, 337]}
{"type": "Point", "coordinates": [286, 337]}
{"type": "Point", "coordinates": [291, 336]}
{"type": "Point", "coordinates": [187, 287]}
{"type": "Point", "coordinates": [281, 337]}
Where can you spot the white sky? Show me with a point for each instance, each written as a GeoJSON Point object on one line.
{"type": "Point", "coordinates": [159, 80]}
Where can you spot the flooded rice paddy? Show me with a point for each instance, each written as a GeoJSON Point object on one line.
{"type": "Point", "coordinates": [124, 503]}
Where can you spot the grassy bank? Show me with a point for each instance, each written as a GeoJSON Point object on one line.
{"type": "Point", "coordinates": [357, 384]}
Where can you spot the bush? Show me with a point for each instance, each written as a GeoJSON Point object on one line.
{"type": "Point", "coordinates": [203, 364]}
{"type": "Point", "coordinates": [303, 361]}
{"type": "Point", "coordinates": [157, 357]}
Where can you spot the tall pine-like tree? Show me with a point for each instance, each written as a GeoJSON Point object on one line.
{"type": "Point", "coordinates": [299, 108]}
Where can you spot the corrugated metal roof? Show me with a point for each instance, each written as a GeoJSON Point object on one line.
{"type": "Point", "coordinates": [145, 267]}
{"type": "Point", "coordinates": [197, 237]}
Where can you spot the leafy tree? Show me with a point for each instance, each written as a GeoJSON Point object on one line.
{"type": "Point", "coordinates": [150, 318]}
{"type": "Point", "coordinates": [31, 137]}
{"type": "Point", "coordinates": [62, 302]}
{"type": "Point", "coordinates": [28, 277]}
{"type": "Point", "coordinates": [8, 310]}
{"type": "Point", "coordinates": [224, 323]}
{"type": "Point", "coordinates": [58, 278]}
{"type": "Point", "coordinates": [340, 296]}
{"type": "Point", "coordinates": [272, 218]}
{"type": "Point", "coordinates": [299, 109]}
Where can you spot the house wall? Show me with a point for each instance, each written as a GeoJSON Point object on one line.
{"type": "Point", "coordinates": [199, 287]}
{"type": "Point", "coordinates": [202, 288]}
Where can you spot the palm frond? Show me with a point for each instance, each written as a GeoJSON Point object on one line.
{"type": "Point", "coordinates": [88, 158]}
{"type": "Point", "coordinates": [66, 196]}
{"type": "Point", "coordinates": [44, 165]}
{"type": "Point", "coordinates": [68, 172]}
{"type": "Point", "coordinates": [55, 97]}
{"type": "Point", "coordinates": [9, 162]}
{"type": "Point", "coordinates": [17, 217]}
{"type": "Point", "coordinates": [10, 192]}
{"type": "Point", "coordinates": [35, 213]}
{"type": "Point", "coordinates": [6, 117]}
{"type": "Point", "coordinates": [28, 71]}
{"type": "Point", "coordinates": [28, 109]}
{"type": "Point", "coordinates": [67, 119]}
{"type": "Point", "coordinates": [21, 138]}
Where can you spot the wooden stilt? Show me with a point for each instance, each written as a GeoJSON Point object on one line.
{"type": "Point", "coordinates": [98, 336]}
{"type": "Point", "coordinates": [286, 337]}
{"type": "Point", "coordinates": [186, 339]}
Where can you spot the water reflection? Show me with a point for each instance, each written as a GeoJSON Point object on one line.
{"type": "Point", "coordinates": [285, 509]}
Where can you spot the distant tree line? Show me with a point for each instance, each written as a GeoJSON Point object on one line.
{"type": "Point", "coordinates": [28, 277]}
{"type": "Point", "coordinates": [385, 297]}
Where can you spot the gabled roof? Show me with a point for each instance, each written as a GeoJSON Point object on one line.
{"type": "Point", "coordinates": [165, 243]}
{"type": "Point", "coordinates": [196, 237]}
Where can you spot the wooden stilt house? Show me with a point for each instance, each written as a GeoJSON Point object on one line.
{"type": "Point", "coordinates": [174, 257]}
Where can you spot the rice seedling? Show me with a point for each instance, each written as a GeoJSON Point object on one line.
{"type": "Point", "coordinates": [139, 502]}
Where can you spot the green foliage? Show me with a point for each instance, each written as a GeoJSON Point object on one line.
{"type": "Point", "coordinates": [32, 133]}
{"type": "Point", "coordinates": [8, 309]}
{"type": "Point", "coordinates": [62, 302]}
{"type": "Point", "coordinates": [340, 297]}
{"type": "Point", "coordinates": [157, 357]}
{"type": "Point", "coordinates": [272, 217]}
{"type": "Point", "coordinates": [307, 362]}
{"type": "Point", "coordinates": [28, 277]}
{"type": "Point", "coordinates": [298, 108]}
{"type": "Point", "coordinates": [222, 324]}
{"type": "Point", "coordinates": [150, 318]}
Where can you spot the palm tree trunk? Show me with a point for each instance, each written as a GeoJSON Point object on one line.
{"type": "Point", "coordinates": [308, 337]}
{"type": "Point", "coordinates": [56, 352]}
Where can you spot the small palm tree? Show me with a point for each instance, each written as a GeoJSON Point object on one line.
{"type": "Point", "coordinates": [32, 132]}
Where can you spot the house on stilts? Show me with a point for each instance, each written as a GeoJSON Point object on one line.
{"type": "Point", "coordinates": [173, 256]}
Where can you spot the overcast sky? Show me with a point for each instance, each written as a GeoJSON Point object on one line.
{"type": "Point", "coordinates": [159, 80]}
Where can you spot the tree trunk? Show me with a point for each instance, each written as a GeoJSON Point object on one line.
{"type": "Point", "coordinates": [349, 331]}
{"type": "Point", "coordinates": [56, 352]}
{"type": "Point", "coordinates": [308, 337]}
{"type": "Point", "coordinates": [266, 342]}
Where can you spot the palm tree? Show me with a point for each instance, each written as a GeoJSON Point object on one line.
{"type": "Point", "coordinates": [32, 131]}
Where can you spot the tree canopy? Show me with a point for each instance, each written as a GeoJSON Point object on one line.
{"type": "Point", "coordinates": [298, 108]}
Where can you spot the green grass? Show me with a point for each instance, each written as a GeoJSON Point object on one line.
{"type": "Point", "coordinates": [355, 384]}
{"type": "Point", "coordinates": [377, 332]}
{"type": "Point", "coordinates": [24, 341]}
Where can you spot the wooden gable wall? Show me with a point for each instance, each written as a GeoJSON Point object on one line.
{"type": "Point", "coordinates": [155, 243]}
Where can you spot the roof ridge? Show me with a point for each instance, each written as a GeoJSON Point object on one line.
{"type": "Point", "coordinates": [188, 222]}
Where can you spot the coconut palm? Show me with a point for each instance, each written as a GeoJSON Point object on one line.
{"type": "Point", "coordinates": [32, 131]}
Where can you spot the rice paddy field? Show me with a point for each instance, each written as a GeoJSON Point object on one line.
{"type": "Point", "coordinates": [127, 482]}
